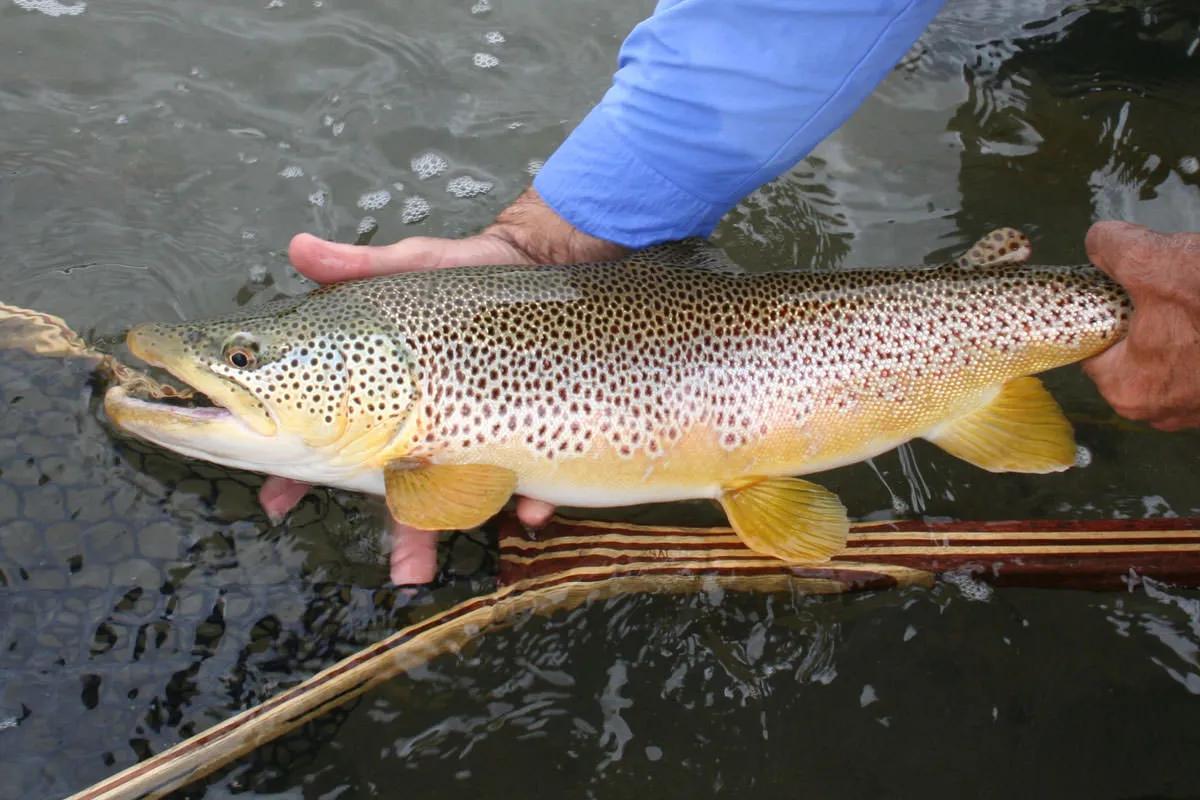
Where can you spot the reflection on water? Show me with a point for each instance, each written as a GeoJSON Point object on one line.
{"type": "Point", "coordinates": [155, 159]}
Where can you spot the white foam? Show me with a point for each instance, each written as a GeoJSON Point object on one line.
{"type": "Point", "coordinates": [1189, 165]}
{"type": "Point", "coordinates": [494, 37]}
{"type": "Point", "coordinates": [291, 171]}
{"type": "Point", "coordinates": [481, 7]}
{"type": "Point", "coordinates": [414, 209]}
{"type": "Point", "coordinates": [52, 8]}
{"type": "Point", "coordinates": [971, 587]}
{"type": "Point", "coordinates": [317, 199]}
{"type": "Point", "coordinates": [534, 166]}
{"type": "Point", "coordinates": [485, 60]}
{"type": "Point", "coordinates": [373, 201]}
{"type": "Point", "coordinates": [429, 165]}
{"type": "Point", "coordinates": [1083, 456]}
{"type": "Point", "coordinates": [465, 186]}
{"type": "Point", "coordinates": [366, 225]}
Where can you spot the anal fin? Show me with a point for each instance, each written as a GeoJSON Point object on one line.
{"type": "Point", "coordinates": [442, 497]}
{"type": "Point", "coordinates": [1021, 430]}
{"type": "Point", "coordinates": [788, 518]}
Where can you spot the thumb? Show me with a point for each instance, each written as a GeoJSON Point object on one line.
{"type": "Point", "coordinates": [329, 262]}
{"type": "Point", "coordinates": [1130, 254]}
{"type": "Point", "coordinates": [1110, 372]}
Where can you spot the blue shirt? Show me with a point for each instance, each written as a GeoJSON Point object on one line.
{"type": "Point", "coordinates": [712, 99]}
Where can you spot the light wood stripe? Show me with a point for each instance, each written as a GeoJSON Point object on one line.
{"type": "Point", "coordinates": [1013, 550]}
{"type": "Point", "coordinates": [958, 537]}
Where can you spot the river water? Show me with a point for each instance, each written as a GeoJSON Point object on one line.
{"type": "Point", "coordinates": [156, 157]}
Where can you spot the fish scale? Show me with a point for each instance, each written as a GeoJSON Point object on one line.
{"type": "Point", "coordinates": [664, 376]}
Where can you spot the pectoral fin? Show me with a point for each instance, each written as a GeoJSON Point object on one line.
{"type": "Point", "coordinates": [1021, 430]}
{"type": "Point", "coordinates": [440, 497]}
{"type": "Point", "coordinates": [787, 518]}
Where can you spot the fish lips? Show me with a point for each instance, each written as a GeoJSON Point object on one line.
{"type": "Point", "coordinates": [209, 433]}
{"type": "Point", "coordinates": [161, 346]}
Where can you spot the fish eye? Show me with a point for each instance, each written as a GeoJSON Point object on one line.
{"type": "Point", "coordinates": [240, 357]}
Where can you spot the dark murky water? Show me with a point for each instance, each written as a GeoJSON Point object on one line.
{"type": "Point", "coordinates": [156, 157]}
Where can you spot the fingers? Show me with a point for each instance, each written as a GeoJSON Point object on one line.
{"type": "Point", "coordinates": [414, 555]}
{"type": "Point", "coordinates": [1130, 254]}
{"type": "Point", "coordinates": [534, 513]}
{"type": "Point", "coordinates": [330, 262]}
{"type": "Point", "coordinates": [1111, 373]}
{"type": "Point", "coordinates": [278, 496]}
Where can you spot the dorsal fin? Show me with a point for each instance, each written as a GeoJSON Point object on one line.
{"type": "Point", "coordinates": [695, 252]}
{"type": "Point", "coordinates": [1000, 247]}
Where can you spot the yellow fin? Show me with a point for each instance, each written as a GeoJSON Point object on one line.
{"type": "Point", "coordinates": [443, 497]}
{"type": "Point", "coordinates": [787, 518]}
{"type": "Point", "coordinates": [1001, 246]}
{"type": "Point", "coordinates": [1021, 430]}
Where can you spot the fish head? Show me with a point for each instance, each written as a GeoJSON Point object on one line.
{"type": "Point", "coordinates": [298, 385]}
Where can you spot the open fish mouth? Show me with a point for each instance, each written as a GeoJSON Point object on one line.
{"type": "Point", "coordinates": [195, 426]}
{"type": "Point", "coordinates": [185, 403]}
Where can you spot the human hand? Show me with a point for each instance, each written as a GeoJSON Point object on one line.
{"type": "Point", "coordinates": [527, 232]}
{"type": "Point", "coordinates": [1153, 374]}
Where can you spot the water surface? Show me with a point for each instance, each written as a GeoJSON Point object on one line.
{"type": "Point", "coordinates": [156, 157]}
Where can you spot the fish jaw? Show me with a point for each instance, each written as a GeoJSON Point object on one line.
{"type": "Point", "coordinates": [159, 346]}
{"type": "Point", "coordinates": [213, 434]}
{"type": "Point", "coordinates": [219, 436]}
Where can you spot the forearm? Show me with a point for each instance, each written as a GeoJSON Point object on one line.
{"type": "Point", "coordinates": [713, 98]}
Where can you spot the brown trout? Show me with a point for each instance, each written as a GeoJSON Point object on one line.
{"type": "Point", "coordinates": [668, 375]}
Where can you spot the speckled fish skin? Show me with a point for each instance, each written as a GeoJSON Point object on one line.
{"type": "Point", "coordinates": [643, 380]}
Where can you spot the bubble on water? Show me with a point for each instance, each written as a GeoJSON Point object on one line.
{"type": "Point", "coordinates": [494, 37]}
{"type": "Point", "coordinates": [485, 60]}
{"type": "Point", "coordinates": [414, 209]}
{"type": "Point", "coordinates": [909, 633]}
{"type": "Point", "coordinates": [398, 186]}
{"type": "Point", "coordinates": [249, 236]}
{"type": "Point", "coordinates": [122, 119]}
{"type": "Point", "coordinates": [276, 4]}
{"type": "Point", "coordinates": [52, 8]}
{"type": "Point", "coordinates": [317, 199]}
{"type": "Point", "coordinates": [337, 128]}
{"type": "Point", "coordinates": [465, 186]}
{"type": "Point", "coordinates": [366, 225]}
{"type": "Point", "coordinates": [291, 171]}
{"type": "Point", "coordinates": [481, 7]}
{"type": "Point", "coordinates": [1189, 165]}
{"type": "Point", "coordinates": [1157, 506]}
{"type": "Point", "coordinates": [867, 696]}
{"type": "Point", "coordinates": [535, 166]}
{"type": "Point", "coordinates": [429, 165]}
{"type": "Point", "coordinates": [258, 273]}
{"type": "Point", "coordinates": [968, 585]}
{"type": "Point", "coordinates": [1083, 456]}
{"type": "Point", "coordinates": [373, 201]}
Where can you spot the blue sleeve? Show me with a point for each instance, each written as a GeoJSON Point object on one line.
{"type": "Point", "coordinates": [713, 98]}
